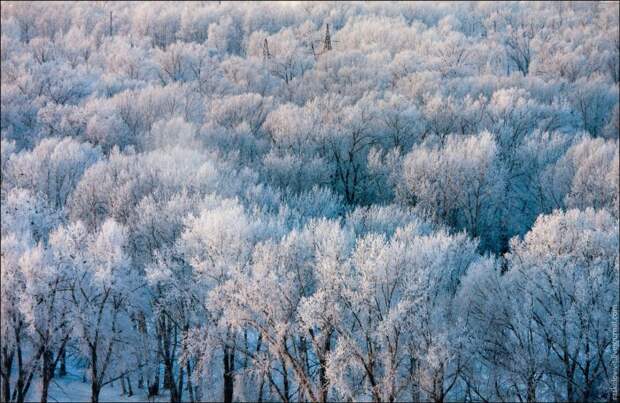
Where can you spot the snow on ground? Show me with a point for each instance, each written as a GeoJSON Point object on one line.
{"type": "Point", "coordinates": [70, 388]}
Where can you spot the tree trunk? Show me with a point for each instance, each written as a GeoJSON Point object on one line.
{"type": "Point", "coordinates": [20, 392]}
{"type": "Point", "coordinates": [94, 392]}
{"type": "Point", "coordinates": [7, 366]}
{"type": "Point", "coordinates": [153, 388]}
{"type": "Point", "coordinates": [569, 387]}
{"type": "Point", "coordinates": [176, 393]}
{"type": "Point", "coordinates": [190, 388]}
{"type": "Point", "coordinates": [412, 378]}
{"type": "Point", "coordinates": [438, 393]}
{"type": "Point", "coordinates": [24, 378]}
{"type": "Point", "coordinates": [531, 390]}
{"type": "Point", "coordinates": [261, 388]}
{"type": "Point", "coordinates": [259, 342]}
{"type": "Point", "coordinates": [94, 378]}
{"type": "Point", "coordinates": [63, 364]}
{"type": "Point", "coordinates": [323, 371]}
{"type": "Point", "coordinates": [285, 383]}
{"type": "Point", "coordinates": [229, 367]}
{"type": "Point", "coordinates": [44, 390]}
{"type": "Point", "coordinates": [129, 388]}
{"type": "Point", "coordinates": [47, 372]}
{"type": "Point", "coordinates": [168, 376]}
{"type": "Point", "coordinates": [6, 389]}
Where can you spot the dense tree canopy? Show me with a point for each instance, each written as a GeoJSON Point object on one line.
{"type": "Point", "coordinates": [310, 201]}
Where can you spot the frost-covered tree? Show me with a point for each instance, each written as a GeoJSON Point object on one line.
{"type": "Point", "coordinates": [567, 266]}
{"type": "Point", "coordinates": [45, 307]}
{"type": "Point", "coordinates": [35, 321]}
{"type": "Point", "coordinates": [459, 184]}
{"type": "Point", "coordinates": [394, 316]}
{"type": "Point", "coordinates": [52, 169]}
{"type": "Point", "coordinates": [103, 295]}
{"type": "Point", "coordinates": [217, 243]}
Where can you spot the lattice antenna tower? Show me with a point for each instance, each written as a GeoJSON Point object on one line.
{"type": "Point", "coordinates": [327, 42]}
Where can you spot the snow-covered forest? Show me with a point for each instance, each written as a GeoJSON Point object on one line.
{"type": "Point", "coordinates": [309, 201]}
